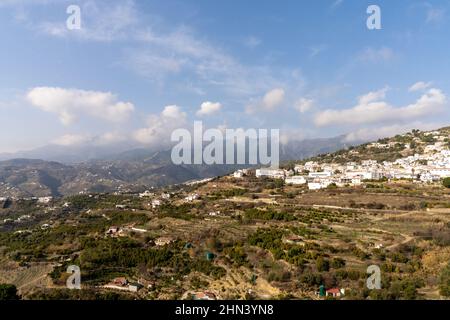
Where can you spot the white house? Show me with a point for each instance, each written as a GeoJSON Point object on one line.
{"type": "Point", "coordinates": [295, 180]}
{"type": "Point", "coordinates": [135, 287]}
{"type": "Point", "coordinates": [428, 177]}
{"type": "Point", "coordinates": [156, 203]}
{"type": "Point", "coordinates": [238, 174]}
{"type": "Point", "coordinates": [192, 197]}
{"type": "Point", "coordinates": [368, 163]}
{"type": "Point", "coordinates": [270, 173]}
{"type": "Point", "coordinates": [140, 230]}
{"type": "Point", "coordinates": [146, 193]}
{"type": "Point", "coordinates": [45, 200]}
{"type": "Point", "coordinates": [114, 230]}
{"type": "Point", "coordinates": [335, 292]}
{"type": "Point", "coordinates": [441, 172]}
{"type": "Point", "coordinates": [163, 241]}
{"type": "Point", "coordinates": [314, 186]}
{"type": "Point", "coordinates": [321, 174]}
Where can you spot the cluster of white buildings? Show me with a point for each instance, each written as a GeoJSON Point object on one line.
{"type": "Point", "coordinates": [240, 173]}
{"type": "Point", "coordinates": [192, 197]}
{"type": "Point", "coordinates": [431, 166]}
{"type": "Point", "coordinates": [44, 200]}
{"type": "Point", "coordinates": [156, 201]}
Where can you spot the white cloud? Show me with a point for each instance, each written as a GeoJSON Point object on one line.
{"type": "Point", "coordinates": [316, 50]}
{"type": "Point", "coordinates": [6, 3]}
{"type": "Point", "coordinates": [272, 99]}
{"type": "Point", "coordinates": [184, 52]}
{"type": "Point", "coordinates": [376, 55]}
{"type": "Point", "coordinates": [419, 86]}
{"type": "Point", "coordinates": [371, 134]}
{"type": "Point", "coordinates": [291, 134]}
{"type": "Point", "coordinates": [71, 140]}
{"type": "Point", "coordinates": [158, 49]}
{"type": "Point", "coordinates": [69, 104]}
{"type": "Point", "coordinates": [208, 108]}
{"type": "Point", "coordinates": [101, 21]}
{"type": "Point", "coordinates": [372, 109]}
{"type": "Point", "coordinates": [435, 15]}
{"type": "Point", "coordinates": [304, 105]}
{"type": "Point", "coordinates": [252, 42]}
{"type": "Point", "coordinates": [107, 138]}
{"type": "Point", "coordinates": [336, 3]}
{"type": "Point", "coordinates": [159, 127]}
{"type": "Point", "coordinates": [155, 66]}
{"type": "Point", "coordinates": [373, 96]}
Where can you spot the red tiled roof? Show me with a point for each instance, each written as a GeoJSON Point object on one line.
{"type": "Point", "coordinates": [334, 290]}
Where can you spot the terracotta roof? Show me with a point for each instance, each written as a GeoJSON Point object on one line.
{"type": "Point", "coordinates": [334, 290]}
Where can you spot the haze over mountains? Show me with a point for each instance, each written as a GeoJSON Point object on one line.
{"type": "Point", "coordinates": [57, 170]}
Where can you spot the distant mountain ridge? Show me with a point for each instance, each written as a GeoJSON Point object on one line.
{"type": "Point", "coordinates": [126, 170]}
{"type": "Point", "coordinates": [68, 154]}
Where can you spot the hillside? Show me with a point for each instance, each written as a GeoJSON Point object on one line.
{"type": "Point", "coordinates": [27, 178]}
{"type": "Point", "coordinates": [246, 238]}
{"type": "Point", "coordinates": [387, 149]}
{"type": "Point", "coordinates": [232, 237]}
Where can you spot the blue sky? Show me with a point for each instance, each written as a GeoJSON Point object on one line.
{"type": "Point", "coordinates": [139, 69]}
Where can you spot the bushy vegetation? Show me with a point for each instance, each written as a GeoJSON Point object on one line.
{"type": "Point", "coordinates": [8, 292]}
{"type": "Point", "coordinates": [269, 214]}
{"type": "Point", "coordinates": [33, 246]}
{"type": "Point", "coordinates": [446, 182]}
{"type": "Point", "coordinates": [229, 193]}
{"type": "Point", "coordinates": [444, 281]}
{"type": "Point", "coordinates": [178, 212]}
{"type": "Point", "coordinates": [401, 289]}
{"type": "Point", "coordinates": [267, 239]}
{"type": "Point", "coordinates": [103, 259]}
{"type": "Point", "coordinates": [237, 255]}
{"type": "Point", "coordinates": [304, 240]}
{"type": "Point", "coordinates": [84, 294]}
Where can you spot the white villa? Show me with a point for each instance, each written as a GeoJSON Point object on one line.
{"type": "Point", "coordinates": [270, 173]}
{"type": "Point", "coordinates": [296, 180]}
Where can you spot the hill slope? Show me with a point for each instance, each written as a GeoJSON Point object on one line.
{"type": "Point", "coordinates": [387, 149]}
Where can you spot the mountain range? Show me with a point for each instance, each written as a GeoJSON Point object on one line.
{"type": "Point", "coordinates": [57, 171]}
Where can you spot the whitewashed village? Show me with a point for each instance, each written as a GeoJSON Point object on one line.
{"type": "Point", "coordinates": [430, 166]}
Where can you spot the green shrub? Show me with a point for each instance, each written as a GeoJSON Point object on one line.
{"type": "Point", "coordinates": [322, 264]}
{"type": "Point", "coordinates": [446, 182]}
{"type": "Point", "coordinates": [444, 281]}
{"type": "Point", "coordinates": [8, 292]}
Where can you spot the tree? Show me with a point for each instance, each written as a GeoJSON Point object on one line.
{"type": "Point", "coordinates": [337, 263]}
{"type": "Point", "coordinates": [8, 292]}
{"type": "Point", "coordinates": [444, 286]}
{"type": "Point", "coordinates": [279, 183]}
{"type": "Point", "coordinates": [446, 182]}
{"type": "Point", "coordinates": [332, 186]}
{"type": "Point", "coordinates": [322, 264]}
